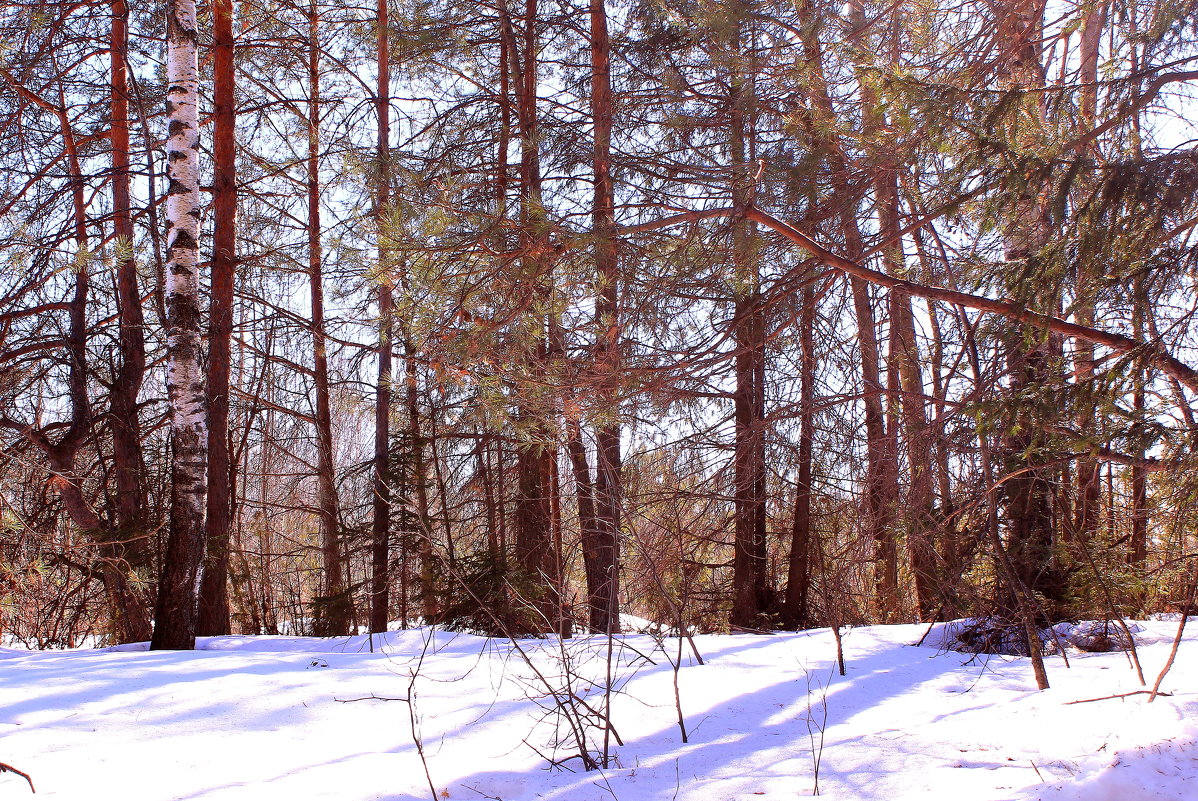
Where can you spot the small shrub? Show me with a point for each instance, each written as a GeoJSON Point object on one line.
{"type": "Point", "coordinates": [487, 594]}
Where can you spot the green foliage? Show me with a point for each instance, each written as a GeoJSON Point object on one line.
{"type": "Point", "coordinates": [489, 594]}
{"type": "Point", "coordinates": [329, 610]}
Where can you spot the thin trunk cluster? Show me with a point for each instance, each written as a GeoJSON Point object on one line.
{"type": "Point", "coordinates": [724, 315]}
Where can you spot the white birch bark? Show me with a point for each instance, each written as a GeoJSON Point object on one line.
{"type": "Point", "coordinates": [175, 614]}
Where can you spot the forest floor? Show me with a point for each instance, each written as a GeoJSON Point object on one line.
{"type": "Point", "coordinates": [303, 719]}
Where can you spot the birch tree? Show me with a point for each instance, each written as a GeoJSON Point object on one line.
{"type": "Point", "coordinates": [175, 612]}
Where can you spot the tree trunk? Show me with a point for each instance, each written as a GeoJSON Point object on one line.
{"type": "Point", "coordinates": [380, 581]}
{"type": "Point", "coordinates": [905, 354]}
{"type": "Point", "coordinates": [949, 547]}
{"type": "Point", "coordinates": [418, 485]}
{"type": "Point", "coordinates": [1088, 501]}
{"type": "Point", "coordinates": [334, 606]}
{"type": "Point", "coordinates": [751, 597]}
{"type": "Point", "coordinates": [533, 508]}
{"type": "Point", "coordinates": [175, 611]}
{"type": "Point", "coordinates": [604, 597]}
{"type": "Point", "coordinates": [214, 594]}
{"type": "Point", "coordinates": [1138, 544]}
{"type": "Point", "coordinates": [905, 379]}
{"type": "Point", "coordinates": [880, 483]}
{"type": "Point", "coordinates": [593, 563]}
{"type": "Point", "coordinates": [128, 552]}
{"type": "Point", "coordinates": [125, 604]}
{"type": "Point", "coordinates": [1029, 489]}
{"type": "Point", "coordinates": [880, 486]}
{"type": "Point", "coordinates": [796, 614]}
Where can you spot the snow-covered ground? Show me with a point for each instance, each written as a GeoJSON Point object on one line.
{"type": "Point", "coordinates": [300, 719]}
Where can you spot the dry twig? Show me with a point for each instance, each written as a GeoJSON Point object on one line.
{"type": "Point", "coordinates": [1109, 697]}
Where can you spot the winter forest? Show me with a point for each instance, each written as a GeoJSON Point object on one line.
{"type": "Point", "coordinates": [530, 319]}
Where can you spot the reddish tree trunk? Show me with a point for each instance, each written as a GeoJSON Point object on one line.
{"type": "Point", "coordinates": [1087, 505]}
{"type": "Point", "coordinates": [213, 615]}
{"type": "Point", "coordinates": [906, 359]}
{"type": "Point", "coordinates": [1138, 550]}
{"type": "Point", "coordinates": [798, 578]}
{"type": "Point", "coordinates": [128, 551]}
{"type": "Point", "coordinates": [533, 507]}
{"type": "Point", "coordinates": [334, 610]}
{"type": "Point", "coordinates": [751, 596]}
{"type": "Point", "coordinates": [604, 595]}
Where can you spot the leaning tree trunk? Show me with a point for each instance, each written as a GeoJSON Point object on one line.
{"type": "Point", "coordinates": [175, 612]}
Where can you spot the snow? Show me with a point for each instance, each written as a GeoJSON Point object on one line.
{"type": "Point", "coordinates": [305, 719]}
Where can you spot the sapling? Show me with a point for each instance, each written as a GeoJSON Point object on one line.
{"type": "Point", "coordinates": [816, 728]}
{"type": "Point", "coordinates": [570, 707]}
{"type": "Point", "coordinates": [1186, 606]}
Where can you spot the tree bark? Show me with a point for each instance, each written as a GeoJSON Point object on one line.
{"type": "Point", "coordinates": [380, 581]}
{"type": "Point", "coordinates": [604, 597]}
{"type": "Point", "coordinates": [949, 548]}
{"type": "Point", "coordinates": [1087, 504]}
{"type": "Point", "coordinates": [751, 596]}
{"type": "Point", "coordinates": [1029, 490]}
{"type": "Point", "coordinates": [334, 606]}
{"type": "Point", "coordinates": [796, 613]}
{"type": "Point", "coordinates": [906, 389]}
{"type": "Point", "coordinates": [904, 349]}
{"type": "Point", "coordinates": [533, 507]}
{"type": "Point", "coordinates": [881, 488]}
{"type": "Point", "coordinates": [1138, 543]}
{"type": "Point", "coordinates": [213, 615]}
{"type": "Point", "coordinates": [589, 532]}
{"type": "Point", "coordinates": [175, 611]}
{"type": "Point", "coordinates": [128, 551]}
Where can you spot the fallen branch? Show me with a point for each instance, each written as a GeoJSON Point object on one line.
{"type": "Point", "coordinates": [4, 768]}
{"type": "Point", "coordinates": [371, 697]}
{"type": "Point", "coordinates": [1119, 695]}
